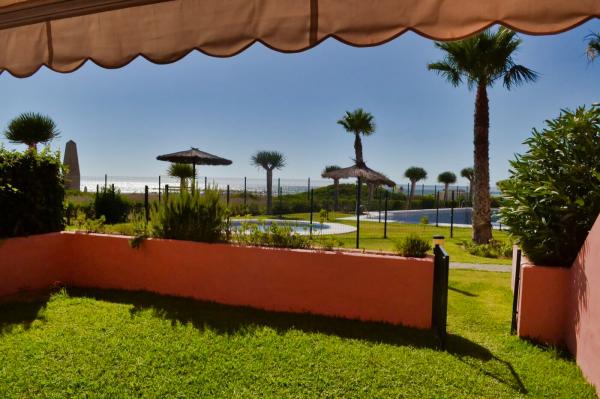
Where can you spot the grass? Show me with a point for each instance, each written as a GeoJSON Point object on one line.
{"type": "Point", "coordinates": [93, 343]}
{"type": "Point", "coordinates": [371, 237]}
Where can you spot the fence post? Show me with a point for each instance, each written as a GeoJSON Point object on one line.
{"type": "Point", "coordinates": [385, 215]}
{"type": "Point", "coordinates": [97, 187]}
{"type": "Point", "coordinates": [166, 192]}
{"type": "Point", "coordinates": [439, 312]}
{"type": "Point", "coordinates": [146, 203]}
{"type": "Point", "coordinates": [379, 208]}
{"type": "Point", "coordinates": [308, 191]}
{"type": "Point", "coordinates": [452, 216]}
{"type": "Point", "coordinates": [515, 305]}
{"type": "Point", "coordinates": [279, 195]}
{"type": "Point", "coordinates": [358, 184]}
{"type": "Point", "coordinates": [105, 181]}
{"type": "Point", "coordinates": [422, 189]}
{"type": "Point", "coordinates": [437, 206]}
{"type": "Point", "coordinates": [244, 192]}
{"type": "Point", "coordinates": [159, 188]}
{"type": "Point", "coordinates": [228, 196]}
{"type": "Point", "coordinates": [311, 212]}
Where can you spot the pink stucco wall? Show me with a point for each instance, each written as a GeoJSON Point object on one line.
{"type": "Point", "coordinates": [562, 306]}
{"type": "Point", "coordinates": [352, 285]}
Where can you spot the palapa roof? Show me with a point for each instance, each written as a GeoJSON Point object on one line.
{"type": "Point", "coordinates": [64, 34]}
{"type": "Point", "coordinates": [366, 174]}
{"type": "Point", "coordinates": [194, 156]}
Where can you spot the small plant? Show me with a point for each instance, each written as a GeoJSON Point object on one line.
{"type": "Point", "coordinates": [271, 235]}
{"type": "Point", "coordinates": [413, 246]}
{"type": "Point", "coordinates": [89, 225]}
{"type": "Point", "coordinates": [190, 216]}
{"type": "Point", "coordinates": [495, 249]}
{"type": "Point", "coordinates": [323, 216]}
{"type": "Point", "coordinates": [141, 230]}
{"type": "Point", "coordinates": [424, 219]}
{"type": "Point", "coordinates": [109, 203]}
{"type": "Point", "coordinates": [328, 243]}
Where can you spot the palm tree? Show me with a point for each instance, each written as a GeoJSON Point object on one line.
{"type": "Point", "coordinates": [31, 128]}
{"type": "Point", "coordinates": [336, 184]}
{"type": "Point", "coordinates": [183, 171]}
{"type": "Point", "coordinates": [447, 178]}
{"type": "Point", "coordinates": [593, 48]}
{"type": "Point", "coordinates": [481, 61]}
{"type": "Point", "coordinates": [469, 173]}
{"type": "Point", "coordinates": [269, 160]}
{"type": "Point", "coordinates": [414, 174]}
{"type": "Point", "coordinates": [358, 122]}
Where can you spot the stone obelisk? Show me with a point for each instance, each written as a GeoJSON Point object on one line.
{"type": "Point", "coordinates": [71, 161]}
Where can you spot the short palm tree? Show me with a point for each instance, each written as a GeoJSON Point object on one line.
{"type": "Point", "coordinates": [31, 128]}
{"type": "Point", "coordinates": [469, 173]}
{"type": "Point", "coordinates": [447, 178]}
{"type": "Point", "coordinates": [358, 122]}
{"type": "Point", "coordinates": [481, 61]}
{"type": "Point", "coordinates": [269, 161]}
{"type": "Point", "coordinates": [414, 174]}
{"type": "Point", "coordinates": [336, 184]}
{"type": "Point", "coordinates": [593, 47]}
{"type": "Point", "coordinates": [183, 171]}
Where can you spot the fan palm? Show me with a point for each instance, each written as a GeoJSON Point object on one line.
{"type": "Point", "coordinates": [336, 184]}
{"type": "Point", "coordinates": [593, 48]}
{"type": "Point", "coordinates": [469, 173]}
{"type": "Point", "coordinates": [269, 161]}
{"type": "Point", "coordinates": [358, 122]}
{"type": "Point", "coordinates": [414, 174]}
{"type": "Point", "coordinates": [481, 61]}
{"type": "Point", "coordinates": [446, 178]}
{"type": "Point", "coordinates": [183, 171]}
{"type": "Point", "coordinates": [31, 128]}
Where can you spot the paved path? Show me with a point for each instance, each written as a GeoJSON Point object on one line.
{"type": "Point", "coordinates": [477, 266]}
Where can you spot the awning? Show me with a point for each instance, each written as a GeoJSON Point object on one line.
{"type": "Point", "coordinates": [64, 34]}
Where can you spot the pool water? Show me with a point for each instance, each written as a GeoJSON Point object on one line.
{"type": "Point", "coordinates": [462, 216]}
{"type": "Point", "coordinates": [301, 227]}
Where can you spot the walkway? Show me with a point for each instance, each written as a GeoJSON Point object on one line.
{"type": "Point", "coordinates": [477, 266]}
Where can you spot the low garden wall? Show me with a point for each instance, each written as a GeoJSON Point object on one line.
{"type": "Point", "coordinates": [352, 285]}
{"type": "Point", "coordinates": [561, 306]}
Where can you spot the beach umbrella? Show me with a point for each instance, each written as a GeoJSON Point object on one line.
{"type": "Point", "coordinates": [64, 34]}
{"type": "Point", "coordinates": [195, 157]}
{"type": "Point", "coordinates": [362, 172]}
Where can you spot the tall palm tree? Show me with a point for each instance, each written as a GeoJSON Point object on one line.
{"type": "Point", "coordinates": [269, 160]}
{"type": "Point", "coordinates": [414, 174]}
{"type": "Point", "coordinates": [31, 128]}
{"type": "Point", "coordinates": [593, 47]}
{"type": "Point", "coordinates": [447, 178]}
{"type": "Point", "coordinates": [481, 61]}
{"type": "Point", "coordinates": [183, 171]}
{"type": "Point", "coordinates": [358, 122]}
{"type": "Point", "coordinates": [469, 173]}
{"type": "Point", "coordinates": [336, 184]}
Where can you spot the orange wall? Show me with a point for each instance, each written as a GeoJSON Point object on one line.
{"type": "Point", "coordinates": [380, 288]}
{"type": "Point", "coordinates": [562, 306]}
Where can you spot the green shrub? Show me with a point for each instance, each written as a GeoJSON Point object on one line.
{"type": "Point", "coordinates": [272, 235]}
{"type": "Point", "coordinates": [31, 193]}
{"type": "Point", "coordinates": [189, 216]}
{"type": "Point", "coordinates": [424, 219]}
{"type": "Point", "coordinates": [109, 203]}
{"type": "Point", "coordinates": [495, 249]}
{"type": "Point", "coordinates": [328, 242]}
{"type": "Point", "coordinates": [552, 197]}
{"type": "Point", "coordinates": [413, 246]}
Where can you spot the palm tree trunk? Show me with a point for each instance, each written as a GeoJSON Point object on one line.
{"type": "Point", "coordinates": [471, 191]}
{"type": "Point", "coordinates": [482, 215]}
{"type": "Point", "coordinates": [336, 194]}
{"type": "Point", "coordinates": [446, 192]}
{"type": "Point", "coordinates": [413, 187]}
{"type": "Point", "coordinates": [358, 150]}
{"type": "Point", "coordinates": [182, 184]}
{"type": "Point", "coordinates": [269, 190]}
{"type": "Point", "coordinates": [370, 187]}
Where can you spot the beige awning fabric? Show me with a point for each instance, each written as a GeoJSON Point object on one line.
{"type": "Point", "coordinates": [64, 34]}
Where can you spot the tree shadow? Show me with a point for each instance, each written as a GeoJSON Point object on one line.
{"type": "Point", "coordinates": [22, 310]}
{"type": "Point", "coordinates": [466, 293]}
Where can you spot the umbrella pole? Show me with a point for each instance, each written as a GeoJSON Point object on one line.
{"type": "Point", "coordinates": [193, 176]}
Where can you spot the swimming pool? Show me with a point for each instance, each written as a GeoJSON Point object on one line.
{"type": "Point", "coordinates": [462, 216]}
{"type": "Point", "coordinates": [301, 227]}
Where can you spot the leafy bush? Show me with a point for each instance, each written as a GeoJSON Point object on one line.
{"type": "Point", "coordinates": [189, 216]}
{"type": "Point", "coordinates": [272, 235]}
{"type": "Point", "coordinates": [552, 197]}
{"type": "Point", "coordinates": [109, 203]}
{"type": "Point", "coordinates": [495, 249]}
{"type": "Point", "coordinates": [328, 242]}
{"type": "Point", "coordinates": [31, 193]}
{"type": "Point", "coordinates": [424, 219]}
{"type": "Point", "coordinates": [413, 246]}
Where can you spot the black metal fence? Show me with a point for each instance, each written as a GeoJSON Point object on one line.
{"type": "Point", "coordinates": [516, 293]}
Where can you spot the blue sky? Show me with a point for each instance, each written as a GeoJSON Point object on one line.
{"type": "Point", "coordinates": [264, 100]}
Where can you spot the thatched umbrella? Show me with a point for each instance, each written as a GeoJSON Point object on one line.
{"type": "Point", "coordinates": [195, 157]}
{"type": "Point", "coordinates": [363, 173]}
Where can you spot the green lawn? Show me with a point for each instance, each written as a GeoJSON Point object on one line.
{"type": "Point", "coordinates": [83, 343]}
{"type": "Point", "coordinates": [371, 237]}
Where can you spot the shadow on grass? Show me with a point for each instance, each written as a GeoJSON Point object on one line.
{"type": "Point", "coordinates": [231, 320]}
{"type": "Point", "coordinates": [465, 293]}
{"type": "Point", "coordinates": [22, 310]}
